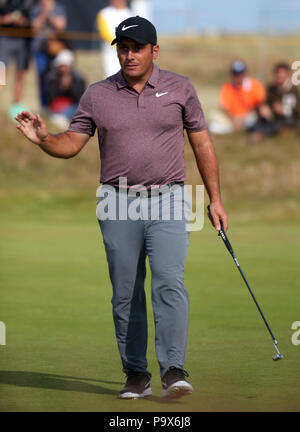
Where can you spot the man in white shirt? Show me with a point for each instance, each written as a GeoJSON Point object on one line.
{"type": "Point", "coordinates": [108, 19]}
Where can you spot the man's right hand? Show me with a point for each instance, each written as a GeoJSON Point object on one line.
{"type": "Point", "coordinates": [32, 126]}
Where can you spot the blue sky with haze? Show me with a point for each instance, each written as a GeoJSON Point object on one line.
{"type": "Point", "coordinates": [197, 16]}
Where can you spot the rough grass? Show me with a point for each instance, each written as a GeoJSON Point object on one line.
{"type": "Point", "coordinates": [258, 181]}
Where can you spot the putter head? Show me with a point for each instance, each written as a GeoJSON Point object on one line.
{"type": "Point", "coordinates": [278, 355]}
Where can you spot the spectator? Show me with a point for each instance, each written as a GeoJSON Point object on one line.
{"type": "Point", "coordinates": [283, 98]}
{"type": "Point", "coordinates": [107, 21]}
{"type": "Point", "coordinates": [240, 101]}
{"type": "Point", "coordinates": [64, 88]}
{"type": "Point", "coordinates": [56, 43]}
{"type": "Point", "coordinates": [282, 108]}
{"type": "Point", "coordinates": [52, 46]}
{"type": "Point", "coordinates": [15, 43]}
{"type": "Point", "coordinates": [47, 17]}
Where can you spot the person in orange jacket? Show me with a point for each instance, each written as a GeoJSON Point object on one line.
{"type": "Point", "coordinates": [241, 101]}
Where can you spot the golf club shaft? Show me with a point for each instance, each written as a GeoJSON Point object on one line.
{"type": "Point", "coordinates": [224, 237]}
{"type": "Point", "coordinates": [252, 295]}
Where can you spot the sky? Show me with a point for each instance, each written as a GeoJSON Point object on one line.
{"type": "Point", "coordinates": [197, 16]}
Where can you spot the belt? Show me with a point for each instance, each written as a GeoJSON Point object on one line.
{"type": "Point", "coordinates": [154, 191]}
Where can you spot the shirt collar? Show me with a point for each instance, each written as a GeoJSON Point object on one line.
{"type": "Point", "coordinates": [152, 81]}
{"type": "Point", "coordinates": [120, 80]}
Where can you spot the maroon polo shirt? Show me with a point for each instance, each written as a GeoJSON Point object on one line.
{"type": "Point", "coordinates": [141, 136]}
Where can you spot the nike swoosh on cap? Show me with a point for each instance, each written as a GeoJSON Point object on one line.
{"type": "Point", "coordinates": [128, 27]}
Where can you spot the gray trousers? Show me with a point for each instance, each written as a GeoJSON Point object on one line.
{"type": "Point", "coordinates": [127, 243]}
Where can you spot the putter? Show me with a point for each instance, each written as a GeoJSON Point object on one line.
{"type": "Point", "coordinates": [278, 355]}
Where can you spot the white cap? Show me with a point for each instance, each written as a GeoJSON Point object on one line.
{"type": "Point", "coordinates": [65, 57]}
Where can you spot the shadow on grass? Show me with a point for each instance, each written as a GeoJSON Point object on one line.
{"type": "Point", "coordinates": [57, 382]}
{"type": "Point", "coordinates": [162, 400]}
{"type": "Point", "coordinates": [66, 383]}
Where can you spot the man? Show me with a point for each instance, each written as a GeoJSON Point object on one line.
{"type": "Point", "coordinates": [47, 18]}
{"type": "Point", "coordinates": [141, 113]}
{"type": "Point", "coordinates": [64, 88]}
{"type": "Point", "coordinates": [108, 19]}
{"type": "Point", "coordinates": [15, 43]}
{"type": "Point", "coordinates": [283, 98]}
{"type": "Point", "coordinates": [281, 110]}
{"type": "Point", "coordinates": [240, 101]}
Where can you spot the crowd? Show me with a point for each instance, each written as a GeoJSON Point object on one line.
{"type": "Point", "coordinates": [35, 28]}
{"type": "Point", "coordinates": [245, 104]}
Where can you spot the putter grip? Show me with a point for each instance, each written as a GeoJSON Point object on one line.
{"type": "Point", "coordinates": [225, 240]}
{"type": "Point", "coordinates": [224, 236]}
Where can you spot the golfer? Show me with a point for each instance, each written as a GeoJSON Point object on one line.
{"type": "Point", "coordinates": [140, 115]}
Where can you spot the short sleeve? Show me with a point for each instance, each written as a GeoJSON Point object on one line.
{"type": "Point", "coordinates": [83, 122]}
{"type": "Point", "coordinates": [193, 116]}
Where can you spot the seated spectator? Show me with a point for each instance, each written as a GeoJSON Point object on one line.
{"type": "Point", "coordinates": [15, 44]}
{"type": "Point", "coordinates": [283, 98]}
{"type": "Point", "coordinates": [282, 108]}
{"type": "Point", "coordinates": [55, 43]}
{"type": "Point", "coordinates": [52, 46]}
{"type": "Point", "coordinates": [240, 101]}
{"type": "Point", "coordinates": [47, 17]}
{"type": "Point", "coordinates": [64, 88]}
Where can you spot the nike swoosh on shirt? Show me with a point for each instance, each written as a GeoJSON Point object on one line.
{"type": "Point", "coordinates": [158, 95]}
{"type": "Point", "coordinates": [128, 27]}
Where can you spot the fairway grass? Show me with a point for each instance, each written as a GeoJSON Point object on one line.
{"type": "Point", "coordinates": [61, 353]}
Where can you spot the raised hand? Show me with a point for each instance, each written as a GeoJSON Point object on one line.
{"type": "Point", "coordinates": [32, 126]}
